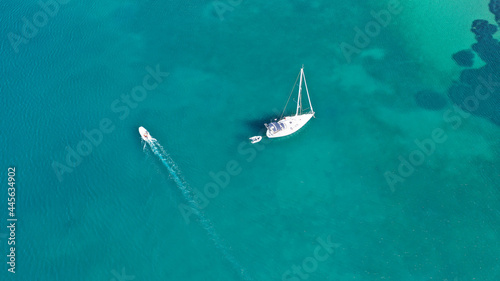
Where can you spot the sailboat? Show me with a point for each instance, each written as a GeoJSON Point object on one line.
{"type": "Point", "coordinates": [291, 124]}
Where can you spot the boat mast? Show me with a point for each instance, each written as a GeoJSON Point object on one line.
{"type": "Point", "coordinates": [309, 98]}
{"type": "Point", "coordinates": [300, 90]}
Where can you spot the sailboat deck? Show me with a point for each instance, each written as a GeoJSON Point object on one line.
{"type": "Point", "coordinates": [287, 125]}
{"type": "Point", "coordinates": [291, 124]}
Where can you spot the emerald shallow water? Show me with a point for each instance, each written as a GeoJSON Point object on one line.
{"type": "Point", "coordinates": [116, 215]}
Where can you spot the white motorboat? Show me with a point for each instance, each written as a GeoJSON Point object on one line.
{"type": "Point", "coordinates": [145, 134]}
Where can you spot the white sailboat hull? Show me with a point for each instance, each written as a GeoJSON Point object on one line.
{"type": "Point", "coordinates": [287, 125]}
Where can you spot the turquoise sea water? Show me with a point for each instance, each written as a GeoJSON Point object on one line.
{"type": "Point", "coordinates": [116, 215]}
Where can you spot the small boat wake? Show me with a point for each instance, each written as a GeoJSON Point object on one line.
{"type": "Point", "coordinates": [176, 176]}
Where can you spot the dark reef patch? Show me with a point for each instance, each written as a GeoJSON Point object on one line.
{"type": "Point", "coordinates": [430, 100]}
{"type": "Point", "coordinates": [464, 58]}
{"type": "Point", "coordinates": [478, 90]}
{"type": "Point", "coordinates": [495, 9]}
{"type": "Point", "coordinates": [483, 29]}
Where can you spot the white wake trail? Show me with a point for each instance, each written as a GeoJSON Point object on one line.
{"type": "Point", "coordinates": [176, 175]}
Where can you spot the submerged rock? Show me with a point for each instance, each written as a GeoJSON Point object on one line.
{"type": "Point", "coordinates": [431, 100]}
{"type": "Point", "coordinates": [478, 90]}
{"type": "Point", "coordinates": [495, 9]}
{"type": "Point", "coordinates": [483, 29]}
{"type": "Point", "coordinates": [464, 58]}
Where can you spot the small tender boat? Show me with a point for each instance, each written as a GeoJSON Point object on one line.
{"type": "Point", "coordinates": [291, 124]}
{"type": "Point", "coordinates": [145, 134]}
{"type": "Point", "coordinates": [256, 139]}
